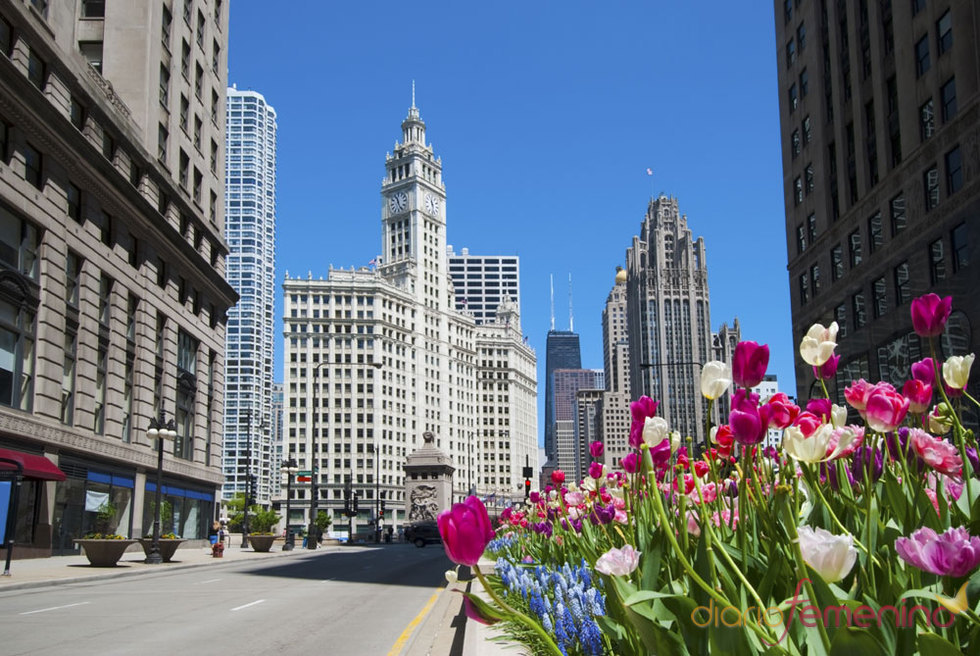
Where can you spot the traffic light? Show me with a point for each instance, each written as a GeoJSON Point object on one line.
{"type": "Point", "coordinates": [346, 502]}
{"type": "Point", "coordinates": [354, 504]}
{"type": "Point", "coordinates": [527, 487]}
{"type": "Point", "coordinates": [382, 508]}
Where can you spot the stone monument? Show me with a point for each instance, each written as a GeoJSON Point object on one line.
{"type": "Point", "coordinates": [428, 481]}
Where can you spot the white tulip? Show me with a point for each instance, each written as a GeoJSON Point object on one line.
{"type": "Point", "coordinates": [956, 370]}
{"type": "Point", "coordinates": [831, 556]}
{"type": "Point", "coordinates": [819, 343]}
{"type": "Point", "coordinates": [807, 449]}
{"type": "Point", "coordinates": [716, 377]}
{"type": "Point", "coordinates": [655, 430]}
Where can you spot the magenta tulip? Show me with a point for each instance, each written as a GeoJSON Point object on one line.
{"type": "Point", "coordinates": [640, 410]}
{"type": "Point", "coordinates": [885, 409]}
{"type": "Point", "coordinates": [953, 553]}
{"type": "Point", "coordinates": [596, 449]}
{"type": "Point", "coordinates": [925, 371]}
{"type": "Point", "coordinates": [929, 314]}
{"type": "Point", "coordinates": [750, 363]}
{"type": "Point", "coordinates": [558, 477]}
{"type": "Point", "coordinates": [466, 530]}
{"type": "Point", "coordinates": [595, 470]}
{"type": "Point", "coordinates": [821, 408]}
{"type": "Point", "coordinates": [631, 463]}
{"type": "Point", "coordinates": [828, 369]}
{"type": "Point", "coordinates": [747, 424]}
{"type": "Point", "coordinates": [780, 411]}
{"type": "Point", "coordinates": [919, 395]}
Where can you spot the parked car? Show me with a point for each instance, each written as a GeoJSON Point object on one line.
{"type": "Point", "coordinates": [423, 533]}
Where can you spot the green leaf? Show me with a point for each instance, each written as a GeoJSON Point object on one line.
{"type": "Point", "coordinates": [487, 612]}
{"type": "Point", "coordinates": [857, 642]}
{"type": "Point", "coordinates": [935, 645]}
{"type": "Point", "coordinates": [646, 595]}
{"type": "Point", "coordinates": [656, 638]}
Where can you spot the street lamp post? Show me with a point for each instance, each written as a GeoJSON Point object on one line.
{"type": "Point", "coordinates": [290, 469]}
{"type": "Point", "coordinates": [160, 428]}
{"type": "Point", "coordinates": [248, 476]}
{"type": "Point", "coordinates": [311, 531]}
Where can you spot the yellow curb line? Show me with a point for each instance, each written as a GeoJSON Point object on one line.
{"type": "Point", "coordinates": [406, 634]}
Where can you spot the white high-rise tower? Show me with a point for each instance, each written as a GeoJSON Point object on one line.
{"type": "Point", "coordinates": [250, 229]}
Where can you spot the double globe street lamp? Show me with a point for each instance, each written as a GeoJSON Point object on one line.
{"type": "Point", "coordinates": [161, 429]}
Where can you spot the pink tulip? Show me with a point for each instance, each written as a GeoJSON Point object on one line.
{"type": "Point", "coordinates": [631, 463]}
{"type": "Point", "coordinates": [595, 470]}
{"type": "Point", "coordinates": [857, 394]}
{"type": "Point", "coordinates": [474, 612]}
{"type": "Point", "coordinates": [925, 371]}
{"type": "Point", "coordinates": [929, 314]}
{"type": "Point", "coordinates": [596, 449]}
{"type": "Point", "coordinates": [885, 409]}
{"type": "Point", "coordinates": [953, 553]}
{"type": "Point", "coordinates": [466, 530]}
{"type": "Point", "coordinates": [828, 369]}
{"type": "Point", "coordinates": [558, 477]}
{"type": "Point", "coordinates": [749, 363]}
{"type": "Point", "coordinates": [808, 423]}
{"type": "Point", "coordinates": [821, 408]}
{"type": "Point", "coordinates": [919, 395]}
{"type": "Point", "coordinates": [618, 562]}
{"type": "Point", "coordinates": [937, 453]}
{"type": "Point", "coordinates": [781, 411]}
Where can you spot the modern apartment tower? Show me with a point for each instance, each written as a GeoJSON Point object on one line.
{"type": "Point", "coordinates": [669, 316]}
{"type": "Point", "coordinates": [251, 465]}
{"type": "Point", "coordinates": [377, 357]}
{"type": "Point", "coordinates": [482, 282]}
{"type": "Point", "coordinates": [112, 295]}
{"type": "Point", "coordinates": [879, 112]}
{"type": "Point", "coordinates": [562, 351]}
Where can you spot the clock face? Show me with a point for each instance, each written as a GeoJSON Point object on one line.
{"type": "Point", "coordinates": [397, 202]}
{"type": "Point", "coordinates": [431, 204]}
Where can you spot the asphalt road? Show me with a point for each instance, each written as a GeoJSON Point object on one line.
{"type": "Point", "coordinates": [352, 602]}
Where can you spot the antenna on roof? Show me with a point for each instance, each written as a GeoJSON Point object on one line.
{"type": "Point", "coordinates": [552, 302]}
{"type": "Point", "coordinates": [413, 94]}
{"type": "Point", "coordinates": [571, 321]}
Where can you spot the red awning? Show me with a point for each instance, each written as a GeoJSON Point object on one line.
{"type": "Point", "coordinates": [37, 467]}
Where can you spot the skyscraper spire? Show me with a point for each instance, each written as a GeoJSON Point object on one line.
{"type": "Point", "coordinates": [571, 320]}
{"type": "Point", "coordinates": [552, 302]}
{"type": "Point", "coordinates": [413, 94]}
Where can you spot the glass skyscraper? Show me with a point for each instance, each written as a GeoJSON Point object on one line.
{"type": "Point", "coordinates": [250, 230]}
{"type": "Point", "coordinates": [562, 351]}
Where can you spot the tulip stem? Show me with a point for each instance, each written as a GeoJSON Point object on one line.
{"type": "Point", "coordinates": [519, 616]}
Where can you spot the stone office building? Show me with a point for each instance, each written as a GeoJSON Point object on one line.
{"type": "Point", "coordinates": [112, 296]}
{"type": "Point", "coordinates": [879, 106]}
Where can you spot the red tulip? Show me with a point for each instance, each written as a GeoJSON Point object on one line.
{"type": "Point", "coordinates": [885, 409]}
{"type": "Point", "coordinates": [558, 477]}
{"type": "Point", "coordinates": [929, 314]}
{"type": "Point", "coordinates": [466, 530]}
{"type": "Point", "coordinates": [919, 395]}
{"type": "Point", "coordinates": [750, 363]}
{"type": "Point", "coordinates": [780, 411]}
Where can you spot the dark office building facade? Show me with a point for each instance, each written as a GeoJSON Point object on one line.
{"type": "Point", "coordinates": [562, 351]}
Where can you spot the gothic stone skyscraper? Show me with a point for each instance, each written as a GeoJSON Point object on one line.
{"type": "Point", "coordinates": [112, 292]}
{"type": "Point", "coordinates": [669, 316]}
{"type": "Point", "coordinates": [879, 106]}
{"type": "Point", "coordinates": [250, 228]}
{"type": "Point", "coordinates": [375, 358]}
{"type": "Point", "coordinates": [614, 424]}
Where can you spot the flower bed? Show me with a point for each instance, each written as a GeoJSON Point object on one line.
{"type": "Point", "coordinates": [853, 537]}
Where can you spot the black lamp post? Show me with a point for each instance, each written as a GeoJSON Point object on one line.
{"type": "Point", "coordinates": [249, 486]}
{"type": "Point", "coordinates": [289, 468]}
{"type": "Point", "coordinates": [311, 531]}
{"type": "Point", "coordinates": [160, 428]}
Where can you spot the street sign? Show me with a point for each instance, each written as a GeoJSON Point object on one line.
{"type": "Point", "coordinates": [304, 472]}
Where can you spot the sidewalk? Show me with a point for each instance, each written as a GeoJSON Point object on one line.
{"type": "Point", "coordinates": [57, 570]}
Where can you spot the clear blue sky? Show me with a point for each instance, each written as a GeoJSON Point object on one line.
{"type": "Point", "coordinates": [546, 115]}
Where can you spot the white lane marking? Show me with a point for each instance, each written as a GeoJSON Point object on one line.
{"type": "Point", "coordinates": [44, 610]}
{"type": "Point", "coordinates": [247, 605]}
{"type": "Point", "coordinates": [208, 581]}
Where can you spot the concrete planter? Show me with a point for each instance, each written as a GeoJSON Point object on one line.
{"type": "Point", "coordinates": [167, 547]}
{"type": "Point", "coordinates": [261, 542]}
{"type": "Point", "coordinates": [104, 553]}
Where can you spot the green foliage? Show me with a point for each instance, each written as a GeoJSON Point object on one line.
{"type": "Point", "coordinates": [105, 519]}
{"type": "Point", "coordinates": [263, 521]}
{"type": "Point", "coordinates": [322, 520]}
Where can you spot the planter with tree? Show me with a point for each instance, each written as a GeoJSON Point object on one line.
{"type": "Point", "coordinates": [262, 537]}
{"type": "Point", "coordinates": [102, 546]}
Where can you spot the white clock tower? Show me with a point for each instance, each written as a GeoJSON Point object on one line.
{"type": "Point", "coordinates": [413, 234]}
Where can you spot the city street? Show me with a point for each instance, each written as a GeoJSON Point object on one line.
{"type": "Point", "coordinates": [351, 602]}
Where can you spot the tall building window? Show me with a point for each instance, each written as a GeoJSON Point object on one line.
{"type": "Point", "coordinates": [185, 59]}
{"type": "Point", "coordinates": [164, 85]}
{"type": "Point", "coordinates": [183, 165]}
{"type": "Point", "coordinates": [854, 242]}
{"type": "Point", "coordinates": [937, 262]}
{"type": "Point", "coordinates": [880, 291]}
{"type": "Point", "coordinates": [198, 182]}
{"type": "Point", "coordinates": [184, 112]}
{"type": "Point", "coordinates": [91, 51]}
{"type": "Point", "coordinates": [917, 6]}
{"type": "Point", "coordinates": [800, 239]}
{"type": "Point", "coordinates": [73, 275]}
{"type": "Point", "coordinates": [19, 244]}
{"type": "Point", "coordinates": [808, 177]}
{"type": "Point", "coordinates": [811, 227]}
{"type": "Point", "coordinates": [68, 375]}
{"type": "Point", "coordinates": [76, 113]}
{"type": "Point", "coordinates": [804, 288]}
{"type": "Point", "coordinates": [163, 138]}
{"type": "Point", "coordinates": [108, 146]}
{"type": "Point", "coordinates": [99, 394]}
{"type": "Point", "coordinates": [73, 195]}
{"type": "Point", "coordinates": [187, 348]}
{"type": "Point", "coordinates": [944, 33]}
{"type": "Point", "coordinates": [790, 53]}
{"type": "Point", "coordinates": [6, 38]}
{"type": "Point", "coordinates": [105, 300]}
{"type": "Point", "coordinates": [898, 217]}
{"type": "Point", "coordinates": [948, 95]}
{"type": "Point", "coordinates": [922, 56]}
{"type": "Point", "coordinates": [188, 11]}
{"type": "Point", "coordinates": [37, 70]}
{"type": "Point", "coordinates": [961, 256]}
{"type": "Point", "coordinates": [215, 57]}
{"type": "Point", "coordinates": [796, 143]}
{"type": "Point", "coordinates": [200, 29]}
{"type": "Point", "coordinates": [801, 35]}
{"type": "Point", "coordinates": [4, 140]}
{"type": "Point", "coordinates": [807, 132]}
{"type": "Point", "coordinates": [954, 171]}
{"type": "Point", "coordinates": [214, 106]}
{"type": "Point", "coordinates": [33, 166]}
{"type": "Point", "coordinates": [875, 238]}
{"type": "Point", "coordinates": [127, 402]}
{"type": "Point", "coordinates": [166, 23]}
{"type": "Point", "coordinates": [930, 181]}
{"type": "Point", "coordinates": [836, 262]}
{"type": "Point", "coordinates": [927, 120]}
{"type": "Point", "coordinates": [787, 11]}
{"type": "Point", "coordinates": [797, 191]}
{"type": "Point", "coordinates": [859, 311]}
{"type": "Point", "coordinates": [197, 132]}
{"type": "Point", "coordinates": [214, 157]}
{"type": "Point", "coordinates": [804, 83]}
{"type": "Point", "coordinates": [794, 99]}
{"type": "Point", "coordinates": [815, 279]}
{"type": "Point", "coordinates": [198, 81]}
{"type": "Point", "coordinates": [93, 8]}
{"type": "Point", "coordinates": [903, 294]}
{"type": "Point", "coordinates": [16, 355]}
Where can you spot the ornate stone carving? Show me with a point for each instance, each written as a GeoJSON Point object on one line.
{"type": "Point", "coordinates": [424, 505]}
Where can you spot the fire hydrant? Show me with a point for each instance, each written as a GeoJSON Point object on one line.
{"type": "Point", "coordinates": [218, 549]}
